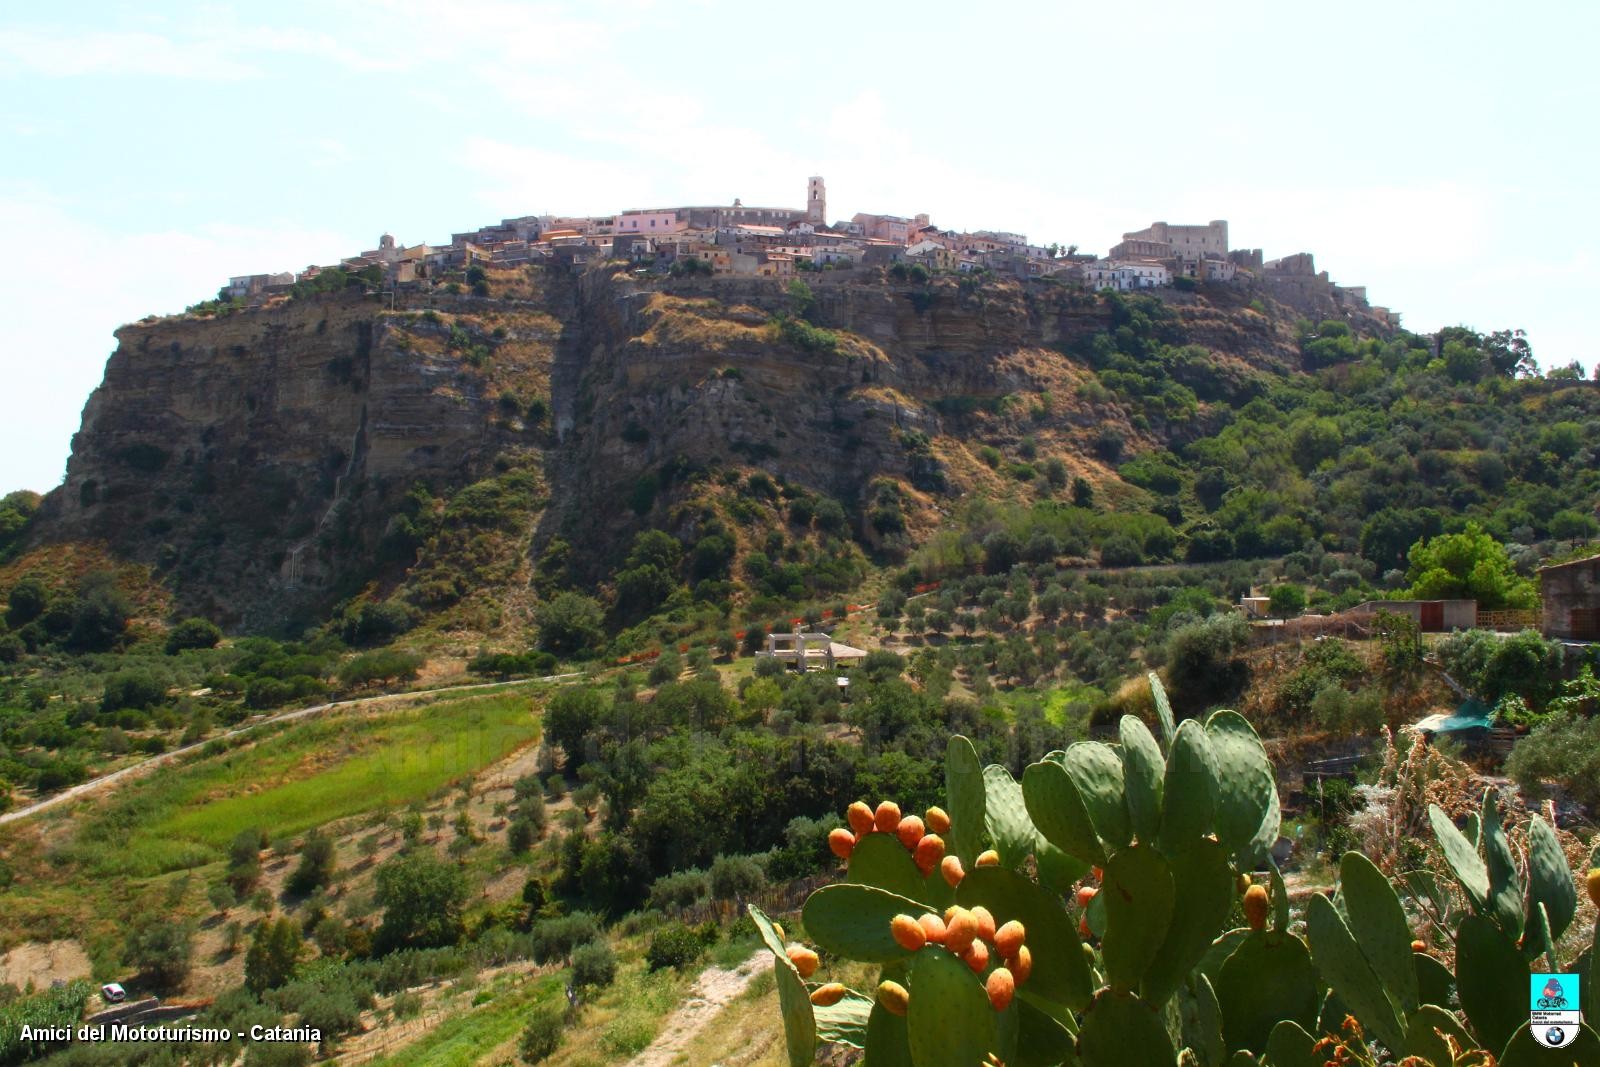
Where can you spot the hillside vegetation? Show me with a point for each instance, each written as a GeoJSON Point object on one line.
{"type": "Point", "coordinates": [601, 495]}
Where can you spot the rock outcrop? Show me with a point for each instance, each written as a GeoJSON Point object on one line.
{"type": "Point", "coordinates": [257, 459]}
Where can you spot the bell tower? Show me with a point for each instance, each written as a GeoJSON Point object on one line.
{"type": "Point", "coordinates": [816, 202]}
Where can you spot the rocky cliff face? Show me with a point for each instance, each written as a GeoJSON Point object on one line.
{"type": "Point", "coordinates": [257, 459]}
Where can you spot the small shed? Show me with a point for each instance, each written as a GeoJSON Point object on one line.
{"type": "Point", "coordinates": [1432, 616]}
{"type": "Point", "coordinates": [1571, 594]}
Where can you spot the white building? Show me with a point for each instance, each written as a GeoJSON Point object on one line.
{"type": "Point", "coordinates": [1126, 274]}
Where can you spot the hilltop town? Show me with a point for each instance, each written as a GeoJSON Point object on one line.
{"type": "Point", "coordinates": [777, 242]}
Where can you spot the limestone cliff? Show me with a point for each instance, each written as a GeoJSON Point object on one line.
{"type": "Point", "coordinates": [257, 459]}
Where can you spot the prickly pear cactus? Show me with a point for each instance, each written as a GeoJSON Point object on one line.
{"type": "Point", "coordinates": [996, 945]}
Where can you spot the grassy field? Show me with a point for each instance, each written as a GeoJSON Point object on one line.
{"type": "Point", "coordinates": [306, 776]}
{"type": "Point", "coordinates": [462, 1039]}
{"type": "Point", "coordinates": [148, 836]}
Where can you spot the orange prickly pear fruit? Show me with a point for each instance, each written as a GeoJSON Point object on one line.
{"type": "Point", "coordinates": [932, 928]}
{"type": "Point", "coordinates": [960, 930]}
{"type": "Point", "coordinates": [1083, 929]}
{"type": "Point", "coordinates": [910, 831]}
{"type": "Point", "coordinates": [1001, 987]}
{"type": "Point", "coordinates": [928, 853]}
{"type": "Point", "coordinates": [841, 842]}
{"type": "Point", "coordinates": [976, 956]}
{"type": "Point", "coordinates": [1593, 881]}
{"type": "Point", "coordinates": [893, 997]}
{"type": "Point", "coordinates": [1256, 907]}
{"type": "Point", "coordinates": [1419, 945]}
{"type": "Point", "coordinates": [987, 858]}
{"type": "Point", "coordinates": [937, 820]}
{"type": "Point", "coordinates": [1099, 875]}
{"type": "Point", "coordinates": [1021, 965]}
{"type": "Point", "coordinates": [908, 932]}
{"type": "Point", "coordinates": [886, 820]}
{"type": "Point", "coordinates": [859, 816]}
{"type": "Point", "coordinates": [826, 996]}
{"type": "Point", "coordinates": [985, 922]}
{"type": "Point", "coordinates": [1085, 895]}
{"type": "Point", "coordinates": [1008, 938]}
{"type": "Point", "coordinates": [805, 961]}
{"type": "Point", "coordinates": [950, 868]}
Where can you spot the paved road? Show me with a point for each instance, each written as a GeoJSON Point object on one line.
{"type": "Point", "coordinates": [105, 781]}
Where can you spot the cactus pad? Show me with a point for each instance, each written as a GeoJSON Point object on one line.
{"type": "Point", "coordinates": [1189, 789]}
{"type": "Point", "coordinates": [1139, 897]}
{"type": "Point", "coordinates": [1378, 922]}
{"type": "Point", "coordinates": [1491, 981]}
{"type": "Point", "coordinates": [1290, 1046]}
{"type": "Point", "coordinates": [964, 794]}
{"type": "Point", "coordinates": [1120, 1030]}
{"type": "Point", "coordinates": [1549, 881]}
{"type": "Point", "coordinates": [1158, 693]}
{"type": "Point", "coordinates": [1059, 812]}
{"type": "Point", "coordinates": [1204, 882]}
{"type": "Point", "coordinates": [853, 921]}
{"type": "Point", "coordinates": [1006, 816]}
{"type": "Point", "coordinates": [844, 1023]}
{"type": "Point", "coordinates": [1461, 854]}
{"type": "Point", "coordinates": [1268, 978]}
{"type": "Point", "coordinates": [1349, 974]}
{"type": "Point", "coordinates": [1097, 771]}
{"type": "Point", "coordinates": [1060, 973]}
{"type": "Point", "coordinates": [1245, 788]}
{"type": "Point", "coordinates": [950, 1020]}
{"type": "Point", "coordinates": [881, 860]}
{"type": "Point", "coordinates": [1505, 884]}
{"type": "Point", "coordinates": [1142, 769]}
{"type": "Point", "coordinates": [888, 1041]}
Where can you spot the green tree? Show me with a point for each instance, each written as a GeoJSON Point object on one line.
{"type": "Point", "coordinates": [318, 860]}
{"type": "Point", "coordinates": [161, 949]}
{"type": "Point", "coordinates": [570, 624]}
{"type": "Point", "coordinates": [572, 715]}
{"type": "Point", "coordinates": [193, 633]}
{"type": "Point", "coordinates": [273, 956]}
{"type": "Point", "coordinates": [1470, 565]}
{"type": "Point", "coordinates": [1286, 600]}
{"type": "Point", "coordinates": [422, 899]}
{"type": "Point", "coordinates": [543, 1034]}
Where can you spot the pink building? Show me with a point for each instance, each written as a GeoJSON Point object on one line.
{"type": "Point", "coordinates": [651, 222]}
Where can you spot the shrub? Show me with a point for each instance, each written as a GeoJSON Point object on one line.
{"type": "Point", "coordinates": [386, 665]}
{"type": "Point", "coordinates": [273, 956]}
{"type": "Point", "coordinates": [736, 877]}
{"type": "Point", "coordinates": [678, 890]}
{"type": "Point", "coordinates": [674, 945]}
{"type": "Point", "coordinates": [594, 965]}
{"type": "Point", "coordinates": [1564, 749]}
{"type": "Point", "coordinates": [132, 689]}
{"type": "Point", "coordinates": [422, 898]}
{"type": "Point", "coordinates": [556, 939]}
{"type": "Point", "coordinates": [193, 633]}
{"type": "Point", "coordinates": [318, 858]}
{"type": "Point", "coordinates": [569, 624]}
{"type": "Point", "coordinates": [543, 1034]}
{"type": "Point", "coordinates": [161, 949]}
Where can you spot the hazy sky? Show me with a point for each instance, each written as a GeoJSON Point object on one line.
{"type": "Point", "coordinates": [1444, 155]}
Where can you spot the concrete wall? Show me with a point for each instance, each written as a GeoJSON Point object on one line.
{"type": "Point", "coordinates": [1572, 600]}
{"type": "Point", "coordinates": [1454, 614]}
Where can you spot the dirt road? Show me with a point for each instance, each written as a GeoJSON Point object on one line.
{"type": "Point", "coordinates": [711, 992]}
{"type": "Point", "coordinates": [106, 781]}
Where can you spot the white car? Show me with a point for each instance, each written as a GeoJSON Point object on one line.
{"type": "Point", "coordinates": [113, 993]}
